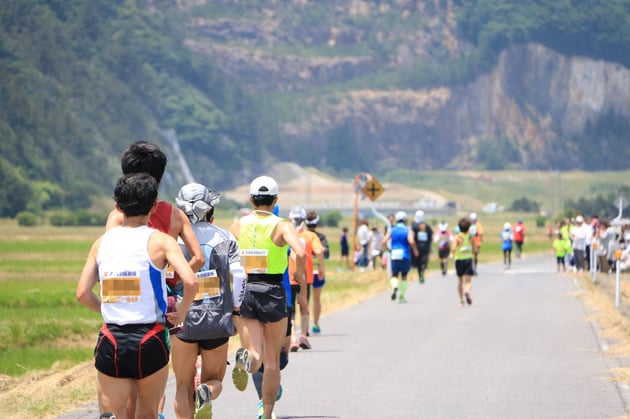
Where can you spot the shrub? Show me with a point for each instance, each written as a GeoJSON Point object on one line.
{"type": "Point", "coordinates": [331, 219]}
{"type": "Point", "coordinates": [27, 219]}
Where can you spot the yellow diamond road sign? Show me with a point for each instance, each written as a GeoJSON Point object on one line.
{"type": "Point", "coordinates": [373, 189]}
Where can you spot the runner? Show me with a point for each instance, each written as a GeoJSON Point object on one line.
{"type": "Point", "coordinates": [462, 252]}
{"type": "Point", "coordinates": [561, 247]}
{"type": "Point", "coordinates": [519, 237]}
{"type": "Point", "coordinates": [443, 238]}
{"type": "Point", "coordinates": [476, 233]}
{"type": "Point", "coordinates": [129, 264]}
{"type": "Point", "coordinates": [402, 245]}
{"type": "Point", "coordinates": [423, 236]}
{"type": "Point", "coordinates": [314, 249]}
{"type": "Point", "coordinates": [263, 238]}
{"type": "Point", "coordinates": [506, 245]}
{"type": "Point", "coordinates": [319, 277]}
{"type": "Point", "coordinates": [209, 323]}
{"type": "Point", "coordinates": [142, 156]}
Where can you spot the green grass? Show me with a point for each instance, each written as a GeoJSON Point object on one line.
{"type": "Point", "coordinates": [39, 314]}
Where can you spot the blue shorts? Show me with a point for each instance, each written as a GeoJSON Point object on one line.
{"type": "Point", "coordinates": [401, 266]}
{"type": "Point", "coordinates": [317, 283]}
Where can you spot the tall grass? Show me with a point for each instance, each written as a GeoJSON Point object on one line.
{"type": "Point", "coordinates": [41, 323]}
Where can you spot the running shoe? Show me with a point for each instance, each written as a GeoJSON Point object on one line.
{"type": "Point", "coordinates": [203, 402]}
{"type": "Point", "coordinates": [421, 279]}
{"type": "Point", "coordinates": [261, 414]}
{"type": "Point", "coordinates": [304, 343]}
{"type": "Point", "coordinates": [468, 299]}
{"type": "Point", "coordinates": [315, 329]}
{"type": "Point", "coordinates": [261, 410]}
{"type": "Point", "coordinates": [107, 415]}
{"type": "Point", "coordinates": [394, 294]}
{"type": "Point", "coordinates": [402, 300]}
{"type": "Point", "coordinates": [279, 394]}
{"type": "Point", "coordinates": [294, 347]}
{"type": "Point", "coordinates": [241, 366]}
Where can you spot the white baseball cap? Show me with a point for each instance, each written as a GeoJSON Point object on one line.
{"type": "Point", "coordinates": [579, 219]}
{"type": "Point", "coordinates": [263, 185]}
{"type": "Point", "coordinates": [297, 213]}
{"type": "Point", "coordinates": [401, 216]}
{"type": "Point", "coordinates": [473, 216]}
{"type": "Point", "coordinates": [419, 216]}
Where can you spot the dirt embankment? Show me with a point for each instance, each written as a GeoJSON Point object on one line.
{"type": "Point", "coordinates": [312, 189]}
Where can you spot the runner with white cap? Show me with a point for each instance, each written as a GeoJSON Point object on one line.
{"type": "Point", "coordinates": [263, 239]}
{"type": "Point", "coordinates": [401, 248]}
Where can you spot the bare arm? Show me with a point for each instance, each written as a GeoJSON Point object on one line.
{"type": "Point", "coordinates": [285, 233]}
{"type": "Point", "coordinates": [89, 278]}
{"type": "Point", "coordinates": [385, 241]}
{"type": "Point", "coordinates": [235, 228]}
{"type": "Point", "coordinates": [412, 242]}
{"type": "Point", "coordinates": [454, 244]}
{"type": "Point", "coordinates": [162, 249]}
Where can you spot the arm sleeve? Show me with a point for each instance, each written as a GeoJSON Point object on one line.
{"type": "Point", "coordinates": [238, 284]}
{"type": "Point", "coordinates": [238, 274]}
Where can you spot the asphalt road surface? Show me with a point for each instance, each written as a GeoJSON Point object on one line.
{"type": "Point", "coordinates": [525, 348]}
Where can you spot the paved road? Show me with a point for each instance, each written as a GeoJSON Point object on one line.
{"type": "Point", "coordinates": [524, 349]}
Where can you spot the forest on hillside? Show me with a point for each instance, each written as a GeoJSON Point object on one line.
{"type": "Point", "coordinates": [81, 79]}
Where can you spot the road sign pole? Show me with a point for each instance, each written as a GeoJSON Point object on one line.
{"type": "Point", "coordinates": [355, 226]}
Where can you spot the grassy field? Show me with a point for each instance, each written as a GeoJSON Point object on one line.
{"type": "Point", "coordinates": [549, 188]}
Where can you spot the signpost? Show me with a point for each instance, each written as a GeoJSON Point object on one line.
{"type": "Point", "coordinates": [364, 184]}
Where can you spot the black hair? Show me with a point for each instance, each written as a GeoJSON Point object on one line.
{"type": "Point", "coordinates": [143, 156]}
{"type": "Point", "coordinates": [311, 216]}
{"type": "Point", "coordinates": [136, 193]}
{"type": "Point", "coordinates": [209, 214]}
{"type": "Point", "coordinates": [464, 225]}
{"type": "Point", "coordinates": [263, 200]}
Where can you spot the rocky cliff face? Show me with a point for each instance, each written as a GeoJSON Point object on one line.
{"type": "Point", "coordinates": [526, 111]}
{"type": "Point", "coordinates": [536, 109]}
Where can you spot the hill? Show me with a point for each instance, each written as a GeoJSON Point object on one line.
{"type": "Point", "coordinates": [344, 87]}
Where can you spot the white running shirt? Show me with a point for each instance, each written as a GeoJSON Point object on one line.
{"type": "Point", "coordinates": [133, 290]}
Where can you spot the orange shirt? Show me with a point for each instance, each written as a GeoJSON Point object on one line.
{"type": "Point", "coordinates": [312, 246]}
{"type": "Point", "coordinates": [478, 233]}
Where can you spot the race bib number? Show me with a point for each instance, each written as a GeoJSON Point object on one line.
{"type": "Point", "coordinates": [397, 254]}
{"type": "Point", "coordinates": [422, 236]}
{"type": "Point", "coordinates": [120, 287]}
{"type": "Point", "coordinates": [255, 260]}
{"type": "Point", "coordinates": [209, 285]}
{"type": "Point", "coordinates": [170, 272]}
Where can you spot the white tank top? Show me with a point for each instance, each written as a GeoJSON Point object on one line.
{"type": "Point", "coordinates": [133, 290]}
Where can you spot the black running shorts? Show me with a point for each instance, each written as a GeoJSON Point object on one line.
{"type": "Point", "coordinates": [464, 267]}
{"type": "Point", "coordinates": [207, 344]}
{"type": "Point", "coordinates": [264, 301]}
{"type": "Point", "coordinates": [131, 351]}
